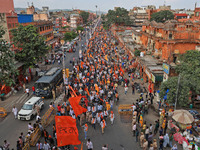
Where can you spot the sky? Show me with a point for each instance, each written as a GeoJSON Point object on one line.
{"type": "Point", "coordinates": [104, 5]}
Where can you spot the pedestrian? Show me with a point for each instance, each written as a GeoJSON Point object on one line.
{"type": "Point", "coordinates": [46, 146]}
{"type": "Point", "coordinates": [155, 145]}
{"type": "Point", "coordinates": [141, 139]}
{"type": "Point", "coordinates": [103, 125]}
{"type": "Point", "coordinates": [51, 140]}
{"type": "Point", "coordinates": [175, 147]}
{"type": "Point", "coordinates": [38, 118]}
{"type": "Point", "coordinates": [26, 79]}
{"type": "Point", "coordinates": [93, 122]}
{"type": "Point", "coordinates": [54, 130]}
{"type": "Point", "coordinates": [136, 135]}
{"type": "Point", "coordinates": [161, 131]}
{"type": "Point", "coordinates": [134, 129]}
{"type": "Point", "coordinates": [85, 127]}
{"type": "Point", "coordinates": [46, 134]}
{"type": "Point", "coordinates": [151, 128]}
{"type": "Point", "coordinates": [6, 145]}
{"type": "Point", "coordinates": [150, 139]}
{"type": "Point", "coordinates": [161, 142]}
{"type": "Point", "coordinates": [147, 133]}
{"type": "Point", "coordinates": [39, 146]}
{"type": "Point", "coordinates": [133, 89]}
{"type": "Point", "coordinates": [112, 117]}
{"type": "Point", "coordinates": [15, 111]}
{"type": "Point", "coordinates": [166, 140]}
{"type": "Point", "coordinates": [89, 145]}
{"type": "Point", "coordinates": [151, 147]}
{"type": "Point", "coordinates": [145, 144]}
{"type": "Point", "coordinates": [156, 127]}
{"type": "Point", "coordinates": [27, 91]}
{"type": "Point", "coordinates": [104, 147]}
{"type": "Point", "coordinates": [33, 89]}
{"type": "Point", "coordinates": [126, 89]}
{"type": "Point", "coordinates": [18, 146]}
{"type": "Point", "coordinates": [170, 139]}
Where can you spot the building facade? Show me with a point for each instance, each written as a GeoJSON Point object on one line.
{"type": "Point", "coordinates": [170, 39]}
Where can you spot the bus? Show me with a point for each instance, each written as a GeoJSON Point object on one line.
{"type": "Point", "coordinates": [48, 82]}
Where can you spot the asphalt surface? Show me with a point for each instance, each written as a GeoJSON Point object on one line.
{"type": "Point", "coordinates": [10, 128]}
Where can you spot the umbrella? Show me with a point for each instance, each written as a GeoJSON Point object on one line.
{"type": "Point", "coordinates": [183, 116]}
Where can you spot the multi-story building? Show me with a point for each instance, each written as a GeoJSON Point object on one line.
{"type": "Point", "coordinates": [8, 18]}
{"type": "Point", "coordinates": [171, 38]}
{"type": "Point", "coordinates": [138, 15]}
{"type": "Point", "coordinates": [44, 28]}
{"type": "Point", "coordinates": [75, 20]}
{"type": "Point", "coordinates": [39, 15]}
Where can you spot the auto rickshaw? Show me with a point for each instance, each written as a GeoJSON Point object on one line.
{"type": "Point", "coordinates": [3, 112]}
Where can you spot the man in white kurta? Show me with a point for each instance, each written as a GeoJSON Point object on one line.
{"type": "Point", "coordinates": [112, 117]}
{"type": "Point", "coordinates": [15, 111]}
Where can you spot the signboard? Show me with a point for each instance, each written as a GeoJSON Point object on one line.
{"type": "Point", "coordinates": [166, 68]}
{"type": "Point", "coordinates": [165, 77]}
{"type": "Point", "coordinates": [153, 78]}
{"type": "Point", "coordinates": [147, 73]}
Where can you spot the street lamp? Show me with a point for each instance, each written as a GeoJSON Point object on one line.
{"type": "Point", "coordinates": [62, 43]}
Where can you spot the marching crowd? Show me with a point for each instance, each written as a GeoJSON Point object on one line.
{"type": "Point", "coordinates": [96, 76]}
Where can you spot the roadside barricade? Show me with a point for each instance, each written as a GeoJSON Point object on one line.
{"type": "Point", "coordinates": [26, 146]}
{"type": "Point", "coordinates": [45, 121]}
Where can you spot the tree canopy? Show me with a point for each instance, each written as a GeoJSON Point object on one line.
{"type": "Point", "coordinates": [31, 46]}
{"type": "Point", "coordinates": [7, 59]}
{"type": "Point", "coordinates": [162, 16]}
{"type": "Point", "coordinates": [85, 16]}
{"type": "Point", "coordinates": [79, 28]}
{"type": "Point", "coordinates": [189, 71]}
{"type": "Point", "coordinates": [118, 16]}
{"type": "Point", "coordinates": [68, 36]}
{"type": "Point", "coordinates": [137, 53]}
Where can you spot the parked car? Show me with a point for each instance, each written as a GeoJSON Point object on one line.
{"type": "Point", "coordinates": [29, 109]}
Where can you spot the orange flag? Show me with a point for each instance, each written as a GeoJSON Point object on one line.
{"type": "Point", "coordinates": [87, 91]}
{"type": "Point", "coordinates": [66, 131]}
{"type": "Point", "coordinates": [106, 57]}
{"type": "Point", "coordinates": [72, 90]}
{"type": "Point", "coordinates": [74, 102]}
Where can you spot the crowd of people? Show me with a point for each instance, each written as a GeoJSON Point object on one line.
{"type": "Point", "coordinates": [96, 76]}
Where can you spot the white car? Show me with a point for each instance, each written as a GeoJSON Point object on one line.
{"type": "Point", "coordinates": [29, 109]}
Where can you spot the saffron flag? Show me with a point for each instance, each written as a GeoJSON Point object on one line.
{"type": "Point", "coordinates": [74, 102]}
{"type": "Point", "coordinates": [66, 131]}
{"type": "Point", "coordinates": [74, 93]}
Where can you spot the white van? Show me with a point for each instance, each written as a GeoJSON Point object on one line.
{"type": "Point", "coordinates": [28, 110]}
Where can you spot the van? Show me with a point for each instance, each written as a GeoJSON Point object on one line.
{"type": "Point", "coordinates": [29, 109]}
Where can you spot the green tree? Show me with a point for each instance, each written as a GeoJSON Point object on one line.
{"type": "Point", "coordinates": [172, 84]}
{"type": "Point", "coordinates": [68, 36]}
{"type": "Point", "coordinates": [189, 70]}
{"type": "Point", "coordinates": [137, 53]}
{"type": "Point", "coordinates": [85, 16]}
{"type": "Point", "coordinates": [120, 17]}
{"type": "Point", "coordinates": [79, 28]}
{"type": "Point", "coordinates": [31, 45]}
{"type": "Point", "coordinates": [162, 16]}
{"type": "Point", "coordinates": [7, 59]}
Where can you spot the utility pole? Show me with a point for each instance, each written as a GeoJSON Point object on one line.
{"type": "Point", "coordinates": [179, 77]}
{"type": "Point", "coordinates": [63, 42]}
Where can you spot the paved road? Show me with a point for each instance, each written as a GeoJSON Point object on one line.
{"type": "Point", "coordinates": [11, 128]}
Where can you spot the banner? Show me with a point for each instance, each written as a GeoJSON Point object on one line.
{"type": "Point", "coordinates": [66, 131]}
{"type": "Point", "coordinates": [74, 102]}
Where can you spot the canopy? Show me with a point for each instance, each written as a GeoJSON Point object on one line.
{"type": "Point", "coordinates": [183, 116]}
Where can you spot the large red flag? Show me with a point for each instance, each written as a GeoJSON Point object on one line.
{"type": "Point", "coordinates": [66, 131]}
{"type": "Point", "coordinates": [78, 109]}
